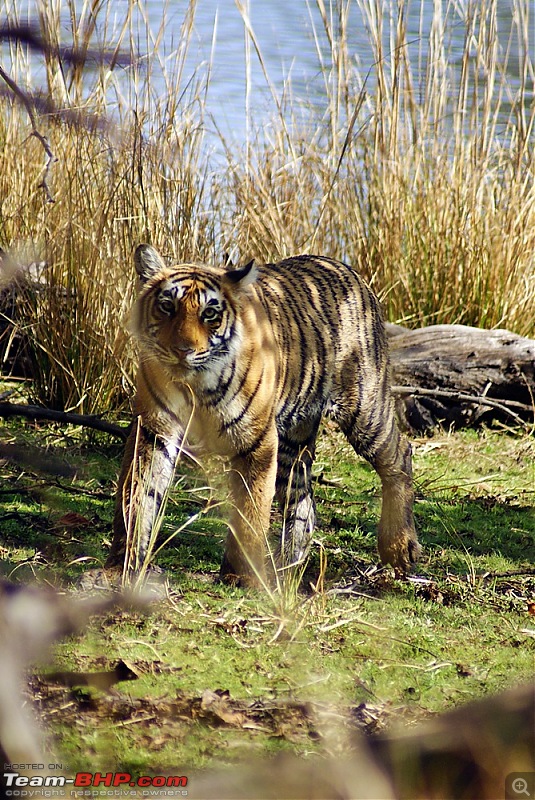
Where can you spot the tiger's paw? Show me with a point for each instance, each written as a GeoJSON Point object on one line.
{"type": "Point", "coordinates": [401, 551]}
{"type": "Point", "coordinates": [243, 576]}
{"type": "Point", "coordinates": [112, 579]}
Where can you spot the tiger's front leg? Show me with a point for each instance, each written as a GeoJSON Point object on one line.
{"type": "Point", "coordinates": [146, 473]}
{"type": "Point", "coordinates": [252, 486]}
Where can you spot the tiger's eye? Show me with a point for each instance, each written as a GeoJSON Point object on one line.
{"type": "Point", "coordinates": [211, 314]}
{"type": "Point", "coordinates": [166, 306]}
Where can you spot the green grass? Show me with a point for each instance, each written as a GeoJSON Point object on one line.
{"type": "Point", "coordinates": [363, 650]}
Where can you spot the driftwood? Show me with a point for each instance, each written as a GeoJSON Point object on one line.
{"type": "Point", "coordinates": [457, 375]}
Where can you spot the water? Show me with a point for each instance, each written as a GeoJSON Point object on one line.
{"type": "Point", "coordinates": [285, 33]}
{"type": "Point", "coordinates": [289, 35]}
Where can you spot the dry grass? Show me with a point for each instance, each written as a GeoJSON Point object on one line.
{"type": "Point", "coordinates": [429, 188]}
{"type": "Point", "coordinates": [427, 184]}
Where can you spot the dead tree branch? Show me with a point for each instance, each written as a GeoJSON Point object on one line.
{"type": "Point", "coordinates": [26, 101]}
{"type": "Point", "coordinates": [66, 417]}
{"type": "Point", "coordinates": [505, 406]}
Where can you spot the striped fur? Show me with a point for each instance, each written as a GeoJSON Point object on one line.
{"type": "Point", "coordinates": [245, 363]}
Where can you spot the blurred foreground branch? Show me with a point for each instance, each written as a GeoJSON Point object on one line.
{"type": "Point", "coordinates": [35, 104]}
{"type": "Point", "coordinates": [474, 752]}
{"type": "Point", "coordinates": [31, 619]}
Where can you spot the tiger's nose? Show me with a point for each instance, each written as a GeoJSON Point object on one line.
{"type": "Point", "coordinates": [184, 350]}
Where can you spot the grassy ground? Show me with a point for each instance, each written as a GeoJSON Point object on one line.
{"type": "Point", "coordinates": [223, 673]}
{"type": "Point", "coordinates": [420, 173]}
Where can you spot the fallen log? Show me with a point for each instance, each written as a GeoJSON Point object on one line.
{"type": "Point", "coordinates": [457, 375]}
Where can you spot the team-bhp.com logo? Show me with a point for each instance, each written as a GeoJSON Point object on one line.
{"type": "Point", "coordinates": [124, 784]}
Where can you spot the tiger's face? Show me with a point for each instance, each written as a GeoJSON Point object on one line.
{"type": "Point", "coordinates": [187, 316]}
{"type": "Point", "coordinates": [189, 322]}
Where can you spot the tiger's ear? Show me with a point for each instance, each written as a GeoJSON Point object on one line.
{"type": "Point", "coordinates": [147, 262]}
{"type": "Point", "coordinates": [243, 276]}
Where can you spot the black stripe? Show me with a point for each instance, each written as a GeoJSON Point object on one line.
{"type": "Point", "coordinates": [149, 435]}
{"type": "Point", "coordinates": [241, 383]}
{"type": "Point", "coordinates": [230, 423]}
{"type": "Point", "coordinates": [217, 394]}
{"type": "Point", "coordinates": [157, 442]}
{"type": "Point", "coordinates": [307, 324]}
{"type": "Point", "coordinates": [192, 275]}
{"type": "Point", "coordinates": [256, 443]}
{"type": "Point", "coordinates": [294, 318]}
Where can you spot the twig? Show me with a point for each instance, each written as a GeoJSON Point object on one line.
{"type": "Point", "coordinates": [462, 397]}
{"type": "Point", "coordinates": [86, 420]}
{"type": "Point", "coordinates": [79, 490]}
{"type": "Point", "coordinates": [77, 57]}
{"type": "Point", "coordinates": [30, 36]}
{"type": "Point", "coordinates": [512, 573]}
{"type": "Point", "coordinates": [70, 116]}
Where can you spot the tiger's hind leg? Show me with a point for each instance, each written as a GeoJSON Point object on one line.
{"type": "Point", "coordinates": [375, 435]}
{"type": "Point", "coordinates": [295, 496]}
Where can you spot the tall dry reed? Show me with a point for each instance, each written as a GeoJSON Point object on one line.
{"type": "Point", "coordinates": [420, 174]}
{"type": "Point", "coordinates": [427, 183]}
{"type": "Point", "coordinates": [127, 169]}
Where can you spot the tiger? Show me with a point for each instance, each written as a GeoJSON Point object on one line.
{"type": "Point", "coordinates": [244, 362]}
